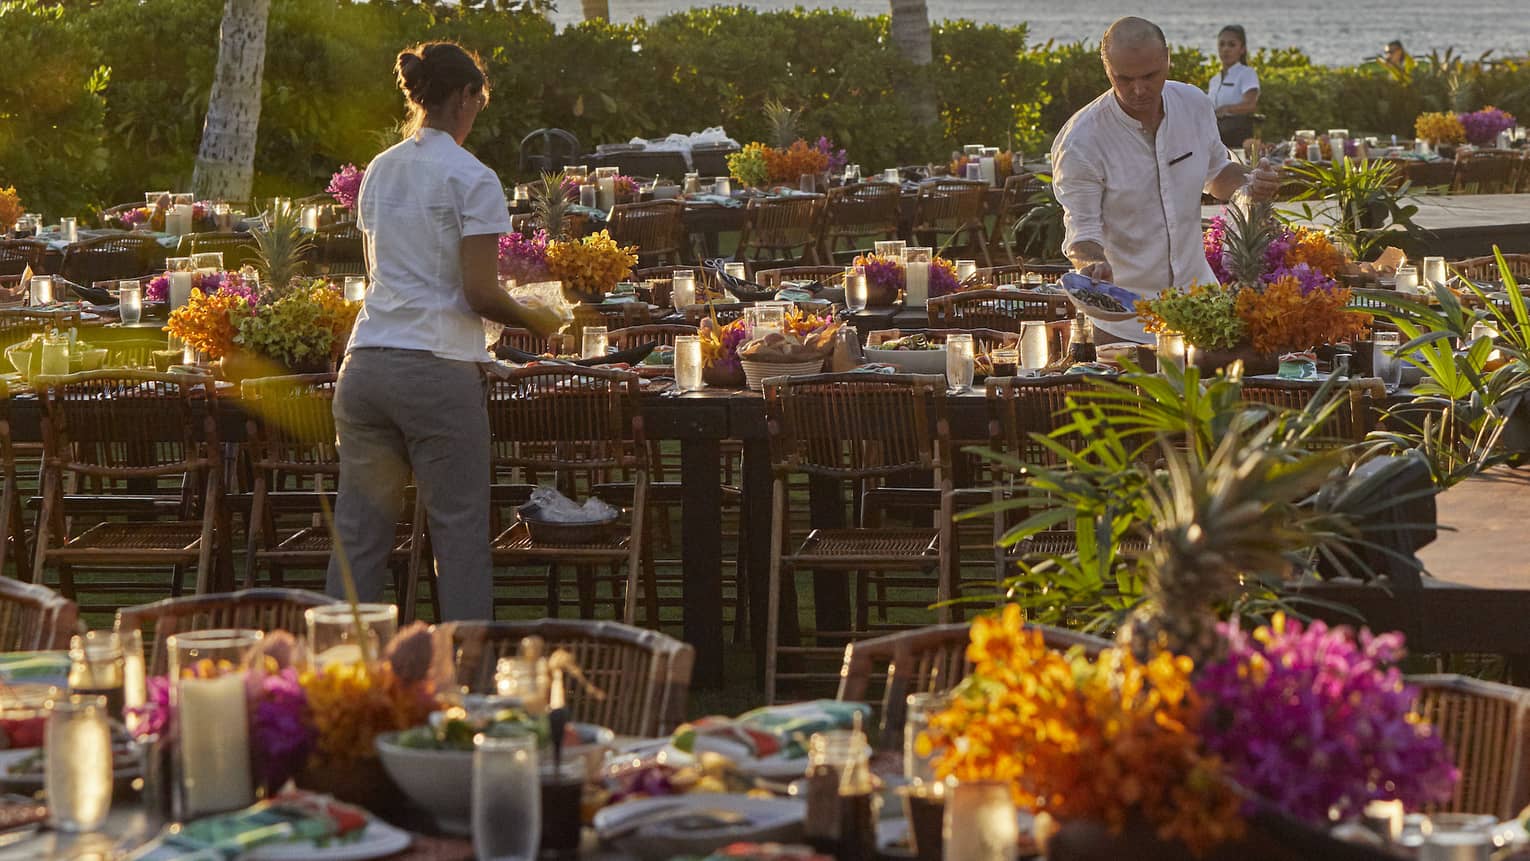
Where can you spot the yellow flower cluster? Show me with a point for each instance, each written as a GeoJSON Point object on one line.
{"type": "Point", "coordinates": [209, 323]}
{"type": "Point", "coordinates": [352, 704]}
{"type": "Point", "coordinates": [1439, 127]}
{"type": "Point", "coordinates": [10, 207]}
{"type": "Point", "coordinates": [338, 314]}
{"type": "Point", "coordinates": [1108, 740]}
{"type": "Point", "coordinates": [592, 265]}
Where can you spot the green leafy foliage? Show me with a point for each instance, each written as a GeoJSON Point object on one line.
{"type": "Point", "coordinates": [292, 330]}
{"type": "Point", "coordinates": [1207, 316]}
{"type": "Point", "coordinates": [1364, 211]}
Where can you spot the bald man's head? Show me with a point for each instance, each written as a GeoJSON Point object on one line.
{"type": "Point", "coordinates": [1136, 58]}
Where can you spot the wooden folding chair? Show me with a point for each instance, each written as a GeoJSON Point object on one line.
{"type": "Point", "coordinates": [255, 609]}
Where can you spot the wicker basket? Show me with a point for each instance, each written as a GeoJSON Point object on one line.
{"type": "Point", "coordinates": [756, 373]}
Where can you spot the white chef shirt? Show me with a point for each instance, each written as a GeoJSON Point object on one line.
{"type": "Point", "coordinates": [417, 200]}
{"type": "Point", "coordinates": [1228, 86]}
{"type": "Point", "coordinates": [1138, 196]}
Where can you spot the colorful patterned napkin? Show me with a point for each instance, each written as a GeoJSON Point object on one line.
{"type": "Point", "coordinates": [45, 668]}
{"type": "Point", "coordinates": [290, 817]}
{"type": "Point", "coordinates": [770, 731]}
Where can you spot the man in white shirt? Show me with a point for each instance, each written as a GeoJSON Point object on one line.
{"type": "Point", "coordinates": [1129, 169]}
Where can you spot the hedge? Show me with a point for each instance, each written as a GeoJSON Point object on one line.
{"type": "Point", "coordinates": [109, 97]}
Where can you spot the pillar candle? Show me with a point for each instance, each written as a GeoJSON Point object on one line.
{"type": "Point", "coordinates": [916, 282]}
{"type": "Point", "coordinates": [215, 744]}
{"type": "Point", "coordinates": [1034, 345]}
{"type": "Point", "coordinates": [180, 288]}
{"type": "Point", "coordinates": [606, 192]}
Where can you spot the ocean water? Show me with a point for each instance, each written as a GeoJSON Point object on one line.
{"type": "Point", "coordinates": [1334, 33]}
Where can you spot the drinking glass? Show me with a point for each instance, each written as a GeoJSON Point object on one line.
{"type": "Point", "coordinates": [562, 793]}
{"type": "Point", "coordinates": [587, 197]}
{"type": "Point", "coordinates": [42, 290]}
{"type": "Point", "coordinates": [1407, 280]}
{"type": "Point", "coordinates": [688, 363]}
{"type": "Point", "coordinates": [207, 261]}
{"type": "Point", "coordinates": [919, 769]}
{"type": "Point", "coordinates": [1006, 362]}
{"type": "Point", "coordinates": [1035, 345]}
{"type": "Point", "coordinates": [1385, 361]}
{"type": "Point", "coordinates": [1457, 837]}
{"type": "Point", "coordinates": [355, 288]}
{"type": "Point", "coordinates": [212, 718]}
{"type": "Point", "coordinates": [959, 359]}
{"type": "Point", "coordinates": [808, 183]}
{"type": "Point", "coordinates": [1171, 350]}
{"type": "Point", "coordinates": [507, 798]}
{"type": "Point", "coordinates": [1434, 272]}
{"type": "Point", "coordinates": [723, 185]}
{"type": "Point", "coordinates": [593, 344]}
{"type": "Point", "coordinates": [77, 762]}
{"type": "Point", "coordinates": [96, 668]}
{"type": "Point", "coordinates": [974, 171]}
{"type": "Point", "coordinates": [682, 290]}
{"type": "Point", "coordinates": [855, 291]}
{"type": "Point", "coordinates": [332, 636]}
{"type": "Point", "coordinates": [68, 230]}
{"type": "Point", "coordinates": [130, 302]}
{"type": "Point", "coordinates": [965, 269]}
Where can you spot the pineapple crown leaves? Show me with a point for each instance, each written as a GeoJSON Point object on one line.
{"type": "Point", "coordinates": [550, 204]}
{"type": "Point", "coordinates": [281, 245]}
{"type": "Point", "coordinates": [1247, 238]}
{"type": "Point", "coordinates": [783, 122]}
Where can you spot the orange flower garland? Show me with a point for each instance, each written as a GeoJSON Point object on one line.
{"type": "Point", "coordinates": [209, 323]}
{"type": "Point", "coordinates": [790, 164]}
{"type": "Point", "coordinates": [1283, 318]}
{"type": "Point", "coordinates": [1314, 248]}
{"type": "Point", "coordinates": [1109, 740]}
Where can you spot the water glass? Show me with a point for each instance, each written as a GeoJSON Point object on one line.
{"type": "Point", "coordinates": [355, 288]}
{"type": "Point", "coordinates": [1035, 345]}
{"type": "Point", "coordinates": [587, 195]}
{"type": "Point", "coordinates": [959, 359]}
{"type": "Point", "coordinates": [1171, 350]}
{"type": "Point", "coordinates": [965, 269]}
{"type": "Point", "coordinates": [507, 798]}
{"type": "Point", "coordinates": [1457, 837]}
{"type": "Point", "coordinates": [42, 290]}
{"type": "Point", "coordinates": [808, 183]}
{"type": "Point", "coordinates": [332, 631]}
{"type": "Point", "coordinates": [974, 171]}
{"type": "Point", "coordinates": [212, 718]}
{"type": "Point", "coordinates": [682, 288]}
{"type": "Point", "coordinates": [855, 291]}
{"type": "Point", "coordinates": [594, 343]}
{"type": "Point", "coordinates": [96, 668]}
{"type": "Point", "coordinates": [1407, 280]}
{"type": "Point", "coordinates": [77, 763]}
{"type": "Point", "coordinates": [723, 185]}
{"type": "Point", "coordinates": [919, 769]}
{"type": "Point", "coordinates": [1385, 360]}
{"type": "Point", "coordinates": [68, 230]}
{"type": "Point", "coordinates": [688, 363]}
{"type": "Point", "coordinates": [130, 302]}
{"type": "Point", "coordinates": [1434, 272]}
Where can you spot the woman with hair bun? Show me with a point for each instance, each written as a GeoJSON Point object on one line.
{"type": "Point", "coordinates": [410, 396]}
{"type": "Point", "coordinates": [1234, 91]}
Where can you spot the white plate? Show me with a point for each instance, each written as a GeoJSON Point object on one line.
{"type": "Point", "coordinates": [770, 820]}
{"type": "Point", "coordinates": [775, 768]}
{"type": "Point", "coordinates": [378, 840]}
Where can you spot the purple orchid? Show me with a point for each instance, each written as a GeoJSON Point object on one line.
{"type": "Point", "coordinates": [282, 734]}
{"type": "Point", "coordinates": [523, 258]}
{"type": "Point", "coordinates": [345, 185]}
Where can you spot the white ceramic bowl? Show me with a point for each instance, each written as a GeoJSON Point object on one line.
{"type": "Point", "coordinates": [441, 781]}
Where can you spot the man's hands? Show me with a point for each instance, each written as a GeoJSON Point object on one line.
{"type": "Point", "coordinates": [1264, 180]}
{"type": "Point", "coordinates": [1089, 259]}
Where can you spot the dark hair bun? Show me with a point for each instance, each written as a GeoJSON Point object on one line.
{"type": "Point", "coordinates": [430, 73]}
{"type": "Point", "coordinates": [411, 72]}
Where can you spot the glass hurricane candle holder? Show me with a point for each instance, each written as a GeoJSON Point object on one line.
{"type": "Point", "coordinates": [208, 670]}
{"type": "Point", "coordinates": [688, 363]}
{"type": "Point", "coordinates": [959, 362]}
{"type": "Point", "coordinates": [42, 290]}
{"type": "Point", "coordinates": [682, 289]}
{"type": "Point", "coordinates": [723, 186]}
{"type": "Point", "coordinates": [77, 762]}
{"type": "Point", "coordinates": [593, 343]}
{"type": "Point", "coordinates": [332, 632]}
{"type": "Point", "coordinates": [916, 275]}
{"type": "Point", "coordinates": [96, 668]}
{"type": "Point", "coordinates": [1035, 345]}
{"type": "Point", "coordinates": [179, 270]}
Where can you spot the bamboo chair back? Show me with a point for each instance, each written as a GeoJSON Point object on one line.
{"type": "Point", "coordinates": [524, 340]}
{"type": "Point", "coordinates": [237, 248]}
{"type": "Point", "coordinates": [614, 316]}
{"type": "Point", "coordinates": [1352, 418]}
{"type": "Point", "coordinates": [132, 353]}
{"type": "Point", "coordinates": [120, 424]}
{"type": "Point", "coordinates": [117, 256]}
{"type": "Point", "coordinates": [1428, 176]}
{"type": "Point", "coordinates": [17, 254]}
{"type": "Point", "coordinates": [16, 327]}
{"type": "Point", "coordinates": [645, 164]}
{"type": "Point", "coordinates": [724, 312]}
{"type": "Point", "coordinates": [338, 250]}
{"type": "Point", "coordinates": [995, 309]}
{"type": "Point", "coordinates": [1487, 171]}
{"type": "Point", "coordinates": [858, 426]}
{"type": "Point", "coordinates": [858, 211]}
{"type": "Point", "coordinates": [655, 228]}
{"type": "Point", "coordinates": [1015, 273]}
{"type": "Point", "coordinates": [774, 278]}
{"type": "Point", "coordinates": [1486, 726]}
{"type": "Point", "coordinates": [34, 618]}
{"type": "Point", "coordinates": [645, 675]}
{"type": "Point", "coordinates": [292, 423]}
{"type": "Point", "coordinates": [563, 417]}
{"type": "Point", "coordinates": [1020, 407]}
{"type": "Point", "coordinates": [1485, 269]}
{"type": "Point", "coordinates": [924, 660]}
{"type": "Point", "coordinates": [950, 206]}
{"type": "Point", "coordinates": [983, 340]}
{"type": "Point", "coordinates": [656, 333]}
{"type": "Point", "coordinates": [1015, 203]}
{"type": "Point", "coordinates": [781, 227]}
{"type": "Point", "coordinates": [256, 609]}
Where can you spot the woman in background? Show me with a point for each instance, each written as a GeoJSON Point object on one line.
{"type": "Point", "coordinates": [1234, 91]}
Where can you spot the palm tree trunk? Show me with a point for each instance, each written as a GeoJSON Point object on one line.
{"type": "Point", "coordinates": [911, 35]}
{"type": "Point", "coordinates": [596, 10]}
{"type": "Point", "coordinates": [225, 166]}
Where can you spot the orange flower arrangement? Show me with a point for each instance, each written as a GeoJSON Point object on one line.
{"type": "Point", "coordinates": [10, 207]}
{"type": "Point", "coordinates": [1284, 318]}
{"type": "Point", "coordinates": [1314, 248]}
{"type": "Point", "coordinates": [209, 323]}
{"type": "Point", "coordinates": [352, 704]}
{"type": "Point", "coordinates": [790, 164]}
{"type": "Point", "coordinates": [1109, 740]}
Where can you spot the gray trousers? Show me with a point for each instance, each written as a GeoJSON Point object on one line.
{"type": "Point", "coordinates": [397, 410]}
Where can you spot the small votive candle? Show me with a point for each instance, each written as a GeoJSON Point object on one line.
{"type": "Point", "coordinates": [355, 288]}
{"type": "Point", "coordinates": [68, 228]}
{"type": "Point", "coordinates": [723, 186]}
{"type": "Point", "coordinates": [180, 270]}
{"type": "Point", "coordinates": [1171, 350]}
{"type": "Point", "coordinates": [688, 363]}
{"type": "Point", "coordinates": [965, 269]}
{"type": "Point", "coordinates": [42, 290]}
{"type": "Point", "coordinates": [130, 302]}
{"type": "Point", "coordinates": [212, 718]}
{"type": "Point", "coordinates": [1035, 345]}
{"type": "Point", "coordinates": [682, 288]}
{"type": "Point", "coordinates": [855, 292]}
{"type": "Point", "coordinates": [1434, 272]}
{"type": "Point", "coordinates": [593, 344]}
{"type": "Point", "coordinates": [736, 270]}
{"type": "Point", "coordinates": [1407, 279]}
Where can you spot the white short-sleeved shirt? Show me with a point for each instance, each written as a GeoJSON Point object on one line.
{"type": "Point", "coordinates": [1228, 86]}
{"type": "Point", "coordinates": [417, 201]}
{"type": "Point", "coordinates": [1138, 196]}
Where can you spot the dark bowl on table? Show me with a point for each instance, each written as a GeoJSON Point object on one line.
{"type": "Point", "coordinates": [560, 533]}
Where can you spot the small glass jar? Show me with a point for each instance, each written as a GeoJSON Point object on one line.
{"type": "Point", "coordinates": [594, 343]}
{"type": "Point", "coordinates": [77, 762]}
{"type": "Point", "coordinates": [688, 377]}
{"type": "Point", "coordinates": [841, 798]}
{"type": "Point", "coordinates": [96, 668]}
{"type": "Point", "coordinates": [332, 631]}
